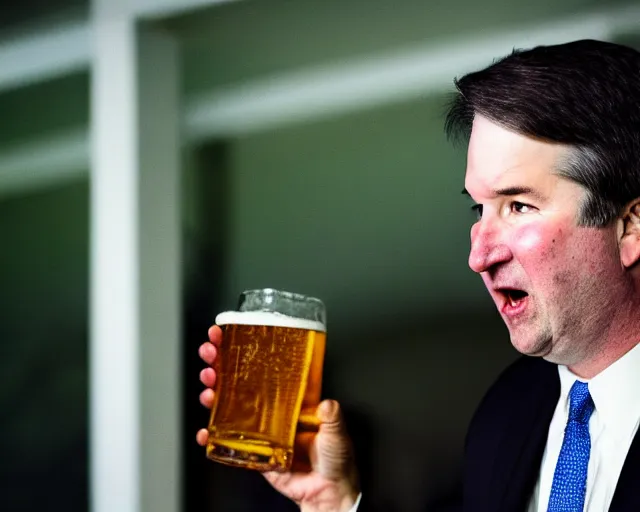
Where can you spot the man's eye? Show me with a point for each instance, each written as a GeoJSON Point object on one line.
{"type": "Point", "coordinates": [477, 210]}
{"type": "Point", "coordinates": [521, 207]}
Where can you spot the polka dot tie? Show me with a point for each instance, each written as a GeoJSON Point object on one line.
{"type": "Point", "coordinates": [570, 478]}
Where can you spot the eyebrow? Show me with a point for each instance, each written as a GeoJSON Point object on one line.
{"type": "Point", "coordinates": [513, 191]}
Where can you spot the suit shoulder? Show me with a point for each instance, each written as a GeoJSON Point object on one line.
{"type": "Point", "coordinates": [524, 376]}
{"type": "Point", "coordinates": [521, 371]}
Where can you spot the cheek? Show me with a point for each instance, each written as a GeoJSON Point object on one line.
{"type": "Point", "coordinates": [538, 242]}
{"type": "Point", "coordinates": [542, 252]}
{"type": "Point", "coordinates": [557, 257]}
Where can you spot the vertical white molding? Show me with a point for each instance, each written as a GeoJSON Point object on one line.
{"type": "Point", "coordinates": [135, 291]}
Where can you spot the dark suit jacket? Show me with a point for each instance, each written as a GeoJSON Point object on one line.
{"type": "Point", "coordinates": [506, 440]}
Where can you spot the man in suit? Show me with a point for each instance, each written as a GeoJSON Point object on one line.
{"type": "Point", "coordinates": [553, 169]}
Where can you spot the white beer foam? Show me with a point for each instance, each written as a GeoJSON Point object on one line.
{"type": "Point", "coordinates": [267, 318]}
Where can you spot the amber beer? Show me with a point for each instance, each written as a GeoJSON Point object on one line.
{"type": "Point", "coordinates": [269, 379]}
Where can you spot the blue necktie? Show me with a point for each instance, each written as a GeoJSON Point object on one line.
{"type": "Point", "coordinates": [570, 478]}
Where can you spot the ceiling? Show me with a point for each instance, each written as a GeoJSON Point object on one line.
{"type": "Point", "coordinates": [246, 40]}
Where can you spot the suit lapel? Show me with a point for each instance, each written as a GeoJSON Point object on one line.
{"type": "Point", "coordinates": [627, 494]}
{"type": "Point", "coordinates": [521, 450]}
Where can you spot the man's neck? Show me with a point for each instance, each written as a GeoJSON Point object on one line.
{"type": "Point", "coordinates": [591, 368]}
{"type": "Point", "coordinates": [622, 333]}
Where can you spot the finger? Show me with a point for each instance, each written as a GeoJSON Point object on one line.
{"type": "Point", "coordinates": [202, 436]}
{"type": "Point", "coordinates": [331, 455]}
{"type": "Point", "coordinates": [330, 416]}
{"type": "Point", "coordinates": [206, 398]}
{"type": "Point", "coordinates": [208, 352]}
{"type": "Point", "coordinates": [208, 377]}
{"type": "Point", "coordinates": [215, 334]}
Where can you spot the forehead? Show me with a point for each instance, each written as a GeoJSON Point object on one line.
{"type": "Point", "coordinates": [499, 158]}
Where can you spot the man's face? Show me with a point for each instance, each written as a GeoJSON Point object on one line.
{"type": "Point", "coordinates": [554, 282]}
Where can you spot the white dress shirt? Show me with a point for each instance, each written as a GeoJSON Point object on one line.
{"type": "Point", "coordinates": [616, 394]}
{"type": "Point", "coordinates": [612, 426]}
{"type": "Point", "coordinates": [355, 505]}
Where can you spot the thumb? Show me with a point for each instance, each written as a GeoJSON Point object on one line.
{"type": "Point", "coordinates": [333, 454]}
{"type": "Point", "coordinates": [330, 416]}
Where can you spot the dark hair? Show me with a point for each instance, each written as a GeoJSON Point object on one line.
{"type": "Point", "coordinates": [585, 94]}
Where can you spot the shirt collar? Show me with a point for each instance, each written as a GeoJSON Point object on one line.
{"type": "Point", "coordinates": [615, 390]}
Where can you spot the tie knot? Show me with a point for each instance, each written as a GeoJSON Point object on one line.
{"type": "Point", "coordinates": [581, 404]}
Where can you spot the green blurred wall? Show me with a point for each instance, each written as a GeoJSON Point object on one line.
{"type": "Point", "coordinates": [44, 340]}
{"type": "Point", "coordinates": [364, 210]}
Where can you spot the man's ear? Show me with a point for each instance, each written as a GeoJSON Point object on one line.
{"type": "Point", "coordinates": [630, 234]}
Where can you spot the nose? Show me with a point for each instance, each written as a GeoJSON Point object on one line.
{"type": "Point", "coordinates": [487, 247]}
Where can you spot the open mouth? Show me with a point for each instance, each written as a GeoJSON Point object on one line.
{"type": "Point", "coordinates": [514, 298]}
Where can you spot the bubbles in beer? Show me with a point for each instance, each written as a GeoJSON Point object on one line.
{"type": "Point", "coordinates": [270, 366]}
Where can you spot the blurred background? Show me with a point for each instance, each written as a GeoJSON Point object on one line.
{"type": "Point", "coordinates": [312, 159]}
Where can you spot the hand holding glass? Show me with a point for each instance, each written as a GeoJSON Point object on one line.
{"type": "Point", "coordinates": [269, 378]}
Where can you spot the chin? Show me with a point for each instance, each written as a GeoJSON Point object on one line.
{"type": "Point", "coordinates": [530, 346]}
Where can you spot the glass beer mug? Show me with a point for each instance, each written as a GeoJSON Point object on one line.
{"type": "Point", "coordinates": [269, 378]}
